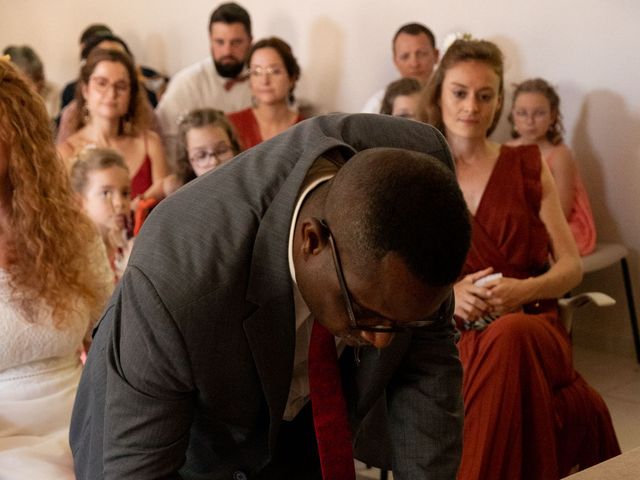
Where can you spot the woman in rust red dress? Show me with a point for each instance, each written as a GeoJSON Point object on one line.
{"type": "Point", "coordinates": [273, 72]}
{"type": "Point", "coordinates": [528, 413]}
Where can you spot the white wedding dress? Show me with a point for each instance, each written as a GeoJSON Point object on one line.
{"type": "Point", "coordinates": [39, 372]}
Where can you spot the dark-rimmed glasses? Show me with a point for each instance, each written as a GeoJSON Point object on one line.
{"type": "Point", "coordinates": [353, 323]}
{"type": "Point", "coordinates": [203, 157]}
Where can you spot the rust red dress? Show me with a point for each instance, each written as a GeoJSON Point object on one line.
{"type": "Point", "coordinates": [528, 413]}
{"type": "Point", "coordinates": [247, 129]}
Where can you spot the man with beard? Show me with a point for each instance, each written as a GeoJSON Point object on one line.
{"type": "Point", "coordinates": [218, 81]}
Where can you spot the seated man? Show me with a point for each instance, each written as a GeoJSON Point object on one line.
{"type": "Point", "coordinates": [414, 55]}
{"type": "Point", "coordinates": [206, 358]}
{"type": "Point", "coordinates": [218, 81]}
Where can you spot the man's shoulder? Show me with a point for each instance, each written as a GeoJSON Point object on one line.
{"type": "Point", "coordinates": [374, 103]}
{"type": "Point", "coordinates": [201, 68]}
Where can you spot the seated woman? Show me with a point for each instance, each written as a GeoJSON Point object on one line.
{"type": "Point", "coordinates": [28, 61]}
{"type": "Point", "coordinates": [206, 140]}
{"type": "Point", "coordinates": [273, 73]}
{"type": "Point", "coordinates": [528, 413]}
{"type": "Point", "coordinates": [67, 125]}
{"type": "Point", "coordinates": [100, 179]}
{"type": "Point", "coordinates": [111, 114]}
{"type": "Point", "coordinates": [536, 120]}
{"type": "Point", "coordinates": [401, 98]}
{"type": "Point", "coordinates": [54, 282]}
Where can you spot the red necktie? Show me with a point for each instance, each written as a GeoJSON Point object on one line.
{"type": "Point", "coordinates": [333, 433]}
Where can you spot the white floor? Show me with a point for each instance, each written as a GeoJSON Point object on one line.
{"type": "Point", "coordinates": [604, 355]}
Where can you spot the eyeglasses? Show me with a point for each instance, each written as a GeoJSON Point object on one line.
{"type": "Point", "coordinates": [353, 323]}
{"type": "Point", "coordinates": [535, 114]}
{"type": "Point", "coordinates": [102, 85]}
{"type": "Point", "coordinates": [203, 157]}
{"type": "Point", "coordinates": [259, 71]}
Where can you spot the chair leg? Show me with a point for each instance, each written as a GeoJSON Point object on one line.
{"type": "Point", "coordinates": [384, 475]}
{"type": "Point", "coordinates": [632, 306]}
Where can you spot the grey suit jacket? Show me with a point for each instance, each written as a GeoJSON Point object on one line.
{"type": "Point", "coordinates": [189, 372]}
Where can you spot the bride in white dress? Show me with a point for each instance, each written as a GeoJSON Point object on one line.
{"type": "Point", "coordinates": [54, 281]}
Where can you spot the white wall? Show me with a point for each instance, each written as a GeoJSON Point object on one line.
{"type": "Point", "coordinates": [587, 48]}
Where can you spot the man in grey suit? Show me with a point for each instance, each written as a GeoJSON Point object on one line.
{"type": "Point", "coordinates": [198, 368]}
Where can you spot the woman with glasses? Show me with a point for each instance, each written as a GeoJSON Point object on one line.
{"type": "Point", "coordinates": [536, 120]}
{"type": "Point", "coordinates": [111, 114]}
{"type": "Point", "coordinates": [273, 73]}
{"type": "Point", "coordinates": [528, 413]}
{"type": "Point", "coordinates": [206, 140]}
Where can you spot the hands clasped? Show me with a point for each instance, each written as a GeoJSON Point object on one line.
{"type": "Point", "coordinates": [485, 294]}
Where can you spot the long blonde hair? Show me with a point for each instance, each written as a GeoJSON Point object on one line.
{"type": "Point", "coordinates": [49, 241]}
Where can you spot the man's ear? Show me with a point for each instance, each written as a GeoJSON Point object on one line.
{"type": "Point", "coordinates": [314, 237]}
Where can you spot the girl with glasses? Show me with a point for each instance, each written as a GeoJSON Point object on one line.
{"type": "Point", "coordinates": [206, 140]}
{"type": "Point", "coordinates": [536, 120]}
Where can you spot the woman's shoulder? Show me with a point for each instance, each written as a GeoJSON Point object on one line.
{"type": "Point", "coordinates": [560, 152]}
{"type": "Point", "coordinates": [72, 145]}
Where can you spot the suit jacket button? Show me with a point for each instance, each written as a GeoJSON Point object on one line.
{"type": "Point", "coordinates": [239, 475]}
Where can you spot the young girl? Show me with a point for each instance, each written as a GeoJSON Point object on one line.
{"type": "Point", "coordinates": [401, 98]}
{"type": "Point", "coordinates": [101, 180]}
{"type": "Point", "coordinates": [535, 119]}
{"type": "Point", "coordinates": [206, 140]}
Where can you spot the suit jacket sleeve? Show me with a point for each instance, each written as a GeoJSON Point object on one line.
{"type": "Point", "coordinates": [425, 406]}
{"type": "Point", "coordinates": [148, 408]}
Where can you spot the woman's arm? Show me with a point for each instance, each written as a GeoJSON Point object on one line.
{"type": "Point", "coordinates": [509, 294]}
{"type": "Point", "coordinates": [563, 168]}
{"type": "Point", "coordinates": [159, 166]}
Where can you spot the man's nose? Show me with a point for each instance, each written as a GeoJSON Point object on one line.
{"type": "Point", "coordinates": [377, 339]}
{"type": "Point", "coordinates": [226, 49]}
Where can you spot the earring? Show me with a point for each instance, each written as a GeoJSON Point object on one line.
{"type": "Point", "coordinates": [85, 114]}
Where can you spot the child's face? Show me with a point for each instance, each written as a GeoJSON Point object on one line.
{"type": "Point", "coordinates": [106, 198]}
{"type": "Point", "coordinates": [532, 116]}
{"type": "Point", "coordinates": [405, 106]}
{"type": "Point", "coordinates": [208, 147]}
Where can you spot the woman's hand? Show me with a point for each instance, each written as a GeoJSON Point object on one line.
{"type": "Point", "coordinates": [507, 295]}
{"type": "Point", "coordinates": [471, 300]}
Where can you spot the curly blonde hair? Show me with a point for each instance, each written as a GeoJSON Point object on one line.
{"type": "Point", "coordinates": [49, 242]}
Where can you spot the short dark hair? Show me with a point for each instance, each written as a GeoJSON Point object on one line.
{"type": "Point", "coordinates": [402, 86]}
{"type": "Point", "coordinates": [286, 54]}
{"type": "Point", "coordinates": [96, 40]}
{"type": "Point", "coordinates": [231, 12]}
{"type": "Point", "coordinates": [414, 29]}
{"type": "Point", "coordinates": [407, 202]}
{"type": "Point", "coordinates": [93, 30]}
